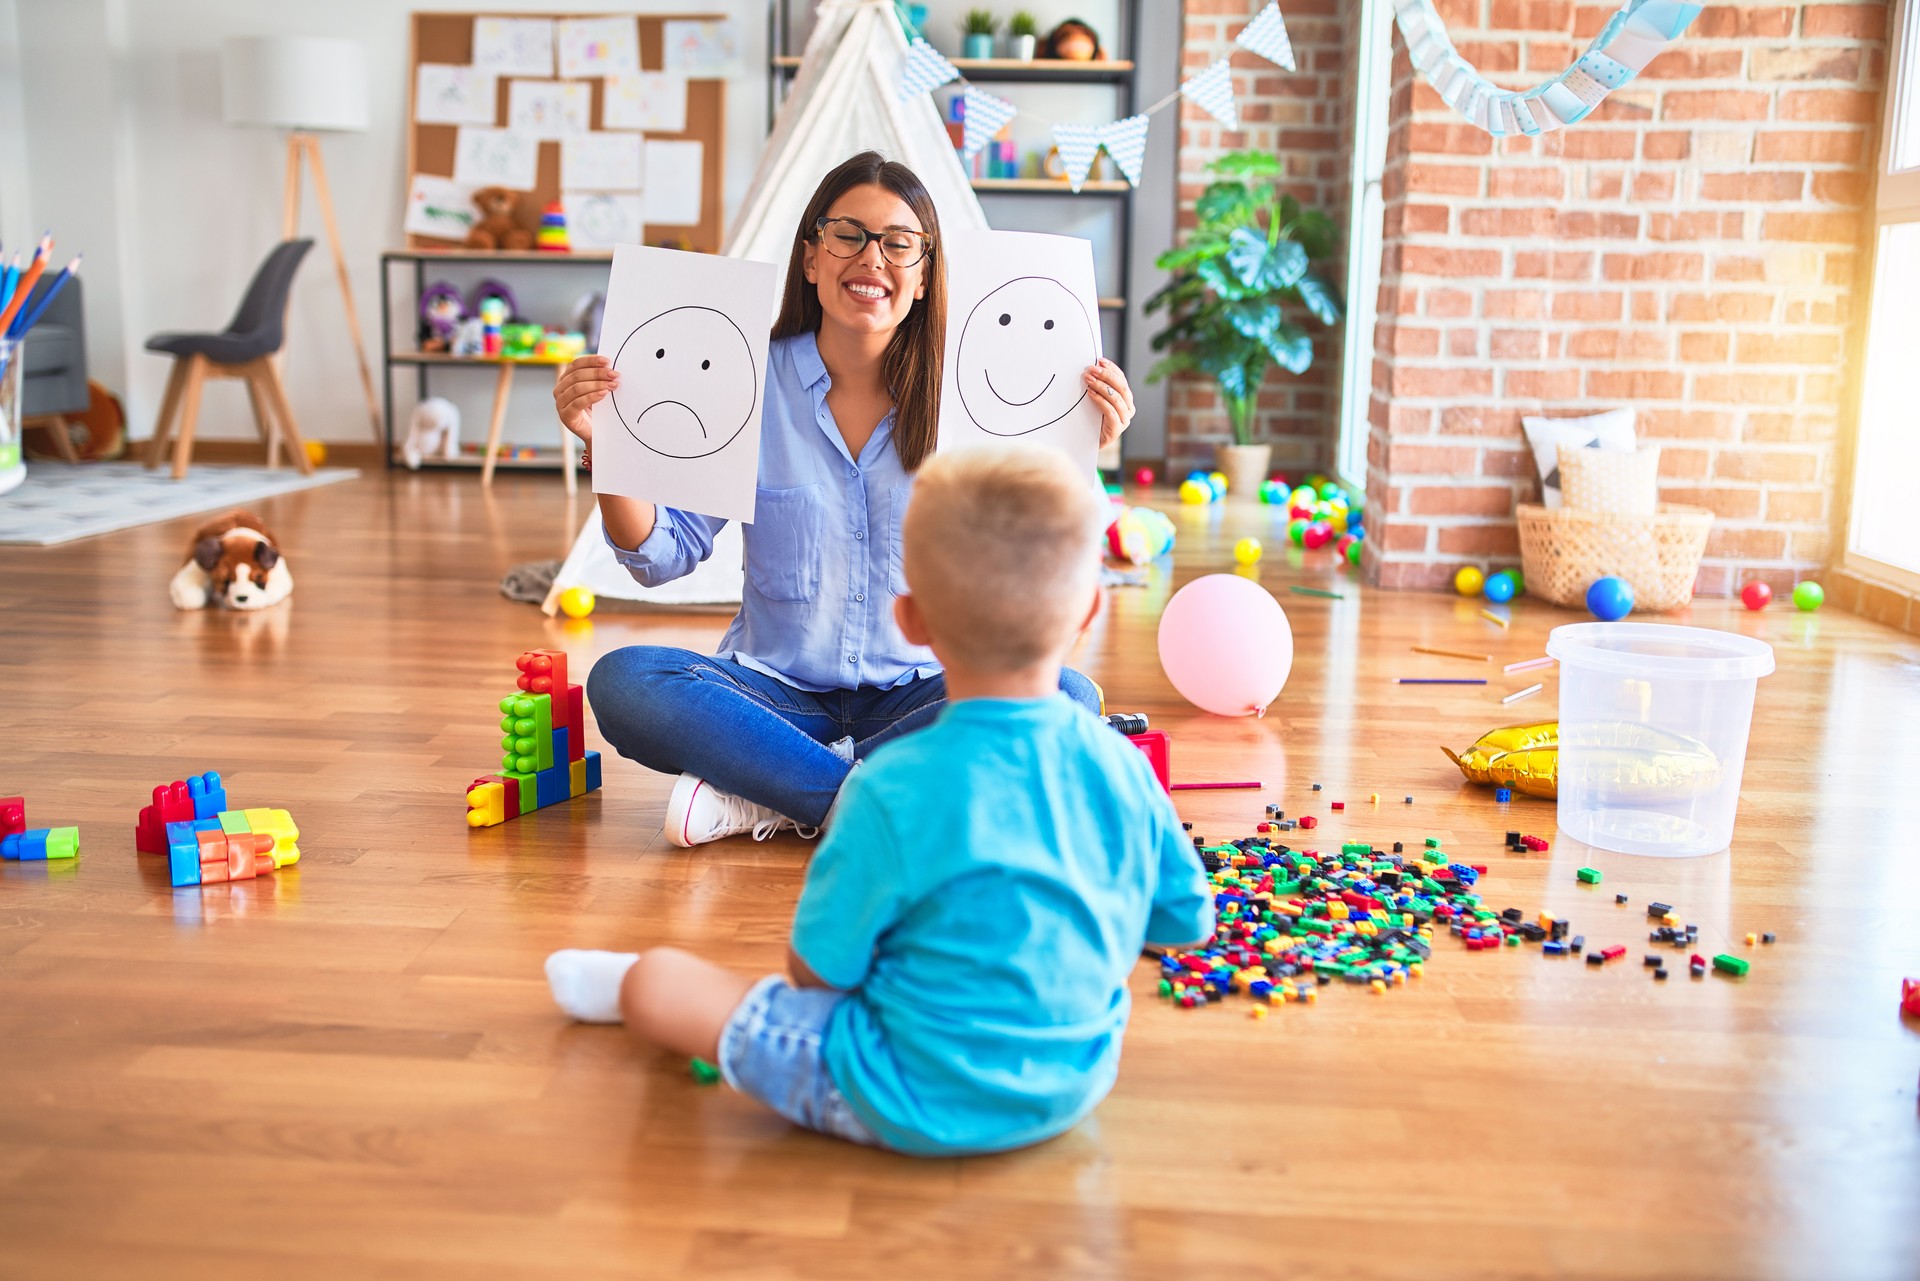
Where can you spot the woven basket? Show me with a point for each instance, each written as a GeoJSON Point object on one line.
{"type": "Point", "coordinates": [1564, 550]}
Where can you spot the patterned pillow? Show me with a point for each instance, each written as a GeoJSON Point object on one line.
{"type": "Point", "coordinates": [1606, 481]}
{"type": "Point", "coordinates": [1611, 430]}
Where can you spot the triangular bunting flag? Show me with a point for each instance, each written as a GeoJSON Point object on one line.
{"type": "Point", "coordinates": [1126, 141]}
{"type": "Point", "coordinates": [1212, 92]}
{"type": "Point", "coordinates": [1078, 145]}
{"type": "Point", "coordinates": [1266, 35]}
{"type": "Point", "coordinates": [925, 70]}
{"type": "Point", "coordinates": [986, 116]}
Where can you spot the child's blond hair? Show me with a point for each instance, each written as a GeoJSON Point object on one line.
{"type": "Point", "coordinates": [1002, 553]}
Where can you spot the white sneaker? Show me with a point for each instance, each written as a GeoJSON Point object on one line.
{"type": "Point", "coordinates": [699, 812]}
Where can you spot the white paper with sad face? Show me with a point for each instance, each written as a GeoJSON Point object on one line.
{"type": "Point", "coordinates": [1023, 326]}
{"type": "Point", "coordinates": [687, 333]}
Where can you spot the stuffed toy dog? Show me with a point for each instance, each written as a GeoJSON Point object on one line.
{"type": "Point", "coordinates": [233, 562]}
{"type": "Point", "coordinates": [434, 430]}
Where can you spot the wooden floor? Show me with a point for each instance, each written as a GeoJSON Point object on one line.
{"type": "Point", "coordinates": [354, 1070]}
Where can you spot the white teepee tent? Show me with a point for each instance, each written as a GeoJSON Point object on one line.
{"type": "Point", "coordinates": [843, 100]}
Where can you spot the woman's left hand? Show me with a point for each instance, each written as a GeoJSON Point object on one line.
{"type": "Point", "coordinates": [1107, 384]}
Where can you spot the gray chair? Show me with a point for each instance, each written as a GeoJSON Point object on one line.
{"type": "Point", "coordinates": [244, 350]}
{"type": "Point", "coordinates": [53, 365]}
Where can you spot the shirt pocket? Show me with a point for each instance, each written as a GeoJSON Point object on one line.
{"type": "Point", "coordinates": [783, 549]}
{"type": "Point", "coordinates": [897, 540]}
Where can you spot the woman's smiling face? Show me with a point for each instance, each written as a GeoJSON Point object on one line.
{"type": "Point", "coordinates": [865, 293]}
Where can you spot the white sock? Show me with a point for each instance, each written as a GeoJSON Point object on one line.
{"type": "Point", "coordinates": [586, 984]}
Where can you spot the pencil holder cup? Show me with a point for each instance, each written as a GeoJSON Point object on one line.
{"type": "Point", "coordinates": [12, 470]}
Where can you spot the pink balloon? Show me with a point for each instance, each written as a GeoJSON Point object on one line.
{"type": "Point", "coordinates": [1225, 644]}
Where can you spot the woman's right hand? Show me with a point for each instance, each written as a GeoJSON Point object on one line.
{"type": "Point", "coordinates": [582, 384]}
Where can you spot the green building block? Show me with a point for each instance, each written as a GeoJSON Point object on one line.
{"type": "Point", "coordinates": [1588, 875]}
{"type": "Point", "coordinates": [234, 822]}
{"type": "Point", "coordinates": [63, 842]}
{"type": "Point", "coordinates": [526, 726]}
{"type": "Point", "coordinates": [704, 1073]}
{"type": "Point", "coordinates": [1730, 965]}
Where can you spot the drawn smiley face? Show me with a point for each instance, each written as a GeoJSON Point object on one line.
{"type": "Point", "coordinates": [1021, 354]}
{"type": "Point", "coordinates": [688, 383]}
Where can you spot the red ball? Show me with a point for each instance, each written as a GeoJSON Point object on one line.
{"type": "Point", "coordinates": [1144, 476]}
{"type": "Point", "coordinates": [1319, 534]}
{"type": "Point", "coordinates": [1756, 595]}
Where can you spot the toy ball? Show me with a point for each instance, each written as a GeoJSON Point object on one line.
{"type": "Point", "coordinates": [1226, 645]}
{"type": "Point", "coordinates": [1273, 493]}
{"type": "Point", "coordinates": [576, 602]}
{"type": "Point", "coordinates": [1194, 492]}
{"type": "Point", "coordinates": [1610, 599]}
{"type": "Point", "coordinates": [1246, 551]}
{"type": "Point", "coordinates": [1331, 490]}
{"type": "Point", "coordinates": [1499, 588]}
{"type": "Point", "coordinates": [1353, 552]}
{"type": "Point", "coordinates": [1756, 595]}
{"type": "Point", "coordinates": [1140, 535]}
{"type": "Point", "coordinates": [1303, 496]}
{"type": "Point", "coordinates": [1144, 476]}
{"type": "Point", "coordinates": [1809, 596]}
{"type": "Point", "coordinates": [316, 452]}
{"type": "Point", "coordinates": [1317, 535]}
{"type": "Point", "coordinates": [1218, 479]}
{"type": "Point", "coordinates": [1519, 579]}
{"type": "Point", "coordinates": [1345, 541]}
{"type": "Point", "coordinates": [1469, 581]}
{"type": "Point", "coordinates": [1278, 479]}
{"type": "Point", "coordinates": [1297, 531]}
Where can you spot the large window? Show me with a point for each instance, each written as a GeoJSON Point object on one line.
{"type": "Point", "coordinates": [1373, 87]}
{"type": "Point", "coordinates": [1883, 538]}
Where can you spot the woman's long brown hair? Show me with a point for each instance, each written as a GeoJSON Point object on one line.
{"type": "Point", "coordinates": [911, 363]}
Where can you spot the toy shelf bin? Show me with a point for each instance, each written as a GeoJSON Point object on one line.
{"type": "Point", "coordinates": [1653, 734]}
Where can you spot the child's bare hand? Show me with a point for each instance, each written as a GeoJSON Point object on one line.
{"type": "Point", "coordinates": [1107, 384]}
{"type": "Point", "coordinates": [582, 384]}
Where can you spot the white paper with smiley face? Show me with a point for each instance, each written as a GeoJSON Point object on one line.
{"type": "Point", "coordinates": [687, 334]}
{"type": "Point", "coordinates": [1022, 329]}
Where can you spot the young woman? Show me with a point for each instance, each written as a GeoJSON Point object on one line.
{"type": "Point", "coordinates": [813, 674]}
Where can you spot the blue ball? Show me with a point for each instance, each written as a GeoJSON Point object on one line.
{"type": "Point", "coordinates": [1610, 599]}
{"type": "Point", "coordinates": [1499, 588]}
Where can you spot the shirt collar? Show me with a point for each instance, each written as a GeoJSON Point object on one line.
{"type": "Point", "coordinates": [806, 359]}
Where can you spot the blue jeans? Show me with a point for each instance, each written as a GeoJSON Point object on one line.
{"type": "Point", "coordinates": [771, 1049]}
{"type": "Point", "coordinates": [752, 734]}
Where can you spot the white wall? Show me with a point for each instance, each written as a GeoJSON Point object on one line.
{"type": "Point", "coordinates": [128, 159]}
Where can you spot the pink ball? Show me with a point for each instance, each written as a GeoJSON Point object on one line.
{"type": "Point", "coordinates": [1756, 595]}
{"type": "Point", "coordinates": [1226, 645]}
{"type": "Point", "coordinates": [1144, 476]}
{"type": "Point", "coordinates": [1319, 534]}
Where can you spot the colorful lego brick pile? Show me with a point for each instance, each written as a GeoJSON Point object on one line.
{"type": "Point", "coordinates": [18, 843]}
{"type": "Point", "coordinates": [205, 842]}
{"type": "Point", "coordinates": [544, 740]}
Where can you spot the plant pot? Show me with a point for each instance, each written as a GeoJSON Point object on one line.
{"type": "Point", "coordinates": [977, 47]}
{"type": "Point", "coordinates": [1021, 48]}
{"type": "Point", "coordinates": [1245, 467]}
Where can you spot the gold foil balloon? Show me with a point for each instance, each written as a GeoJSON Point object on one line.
{"type": "Point", "coordinates": [1624, 763]}
{"type": "Point", "coordinates": [1523, 757]}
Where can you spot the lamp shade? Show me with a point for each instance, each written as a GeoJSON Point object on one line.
{"type": "Point", "coordinates": [294, 83]}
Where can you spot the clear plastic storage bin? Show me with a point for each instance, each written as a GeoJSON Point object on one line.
{"type": "Point", "coordinates": [1653, 734]}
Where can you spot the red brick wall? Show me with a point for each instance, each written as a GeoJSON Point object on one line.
{"type": "Point", "coordinates": [1689, 250]}
{"type": "Point", "coordinates": [1298, 116]}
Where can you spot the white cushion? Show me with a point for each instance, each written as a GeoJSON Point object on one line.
{"type": "Point", "coordinates": [1610, 430]}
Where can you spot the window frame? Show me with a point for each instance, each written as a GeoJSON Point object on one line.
{"type": "Point", "coordinates": [1366, 239]}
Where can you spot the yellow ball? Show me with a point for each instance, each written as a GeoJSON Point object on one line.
{"type": "Point", "coordinates": [576, 602]}
{"type": "Point", "coordinates": [316, 452]}
{"type": "Point", "coordinates": [1218, 477]}
{"type": "Point", "coordinates": [1469, 581]}
{"type": "Point", "coordinates": [1246, 551]}
{"type": "Point", "coordinates": [1194, 493]}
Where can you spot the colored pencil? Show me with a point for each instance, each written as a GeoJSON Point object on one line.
{"type": "Point", "coordinates": [1439, 680]}
{"type": "Point", "coordinates": [9, 281]}
{"type": "Point", "coordinates": [1453, 653]}
{"type": "Point", "coordinates": [1519, 694]}
{"type": "Point", "coordinates": [1529, 665]}
{"type": "Point", "coordinates": [28, 319]}
{"type": "Point", "coordinates": [1315, 591]}
{"type": "Point", "coordinates": [1492, 617]}
{"type": "Point", "coordinates": [28, 281]}
{"type": "Point", "coordinates": [1213, 787]}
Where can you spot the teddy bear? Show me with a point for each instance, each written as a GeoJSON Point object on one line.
{"type": "Point", "coordinates": [234, 562]}
{"type": "Point", "coordinates": [1074, 41]}
{"type": "Point", "coordinates": [497, 228]}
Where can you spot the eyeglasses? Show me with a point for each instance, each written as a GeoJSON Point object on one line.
{"type": "Point", "coordinates": [845, 238]}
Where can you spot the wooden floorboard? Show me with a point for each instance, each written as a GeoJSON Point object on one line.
{"type": "Point", "coordinates": [353, 1069]}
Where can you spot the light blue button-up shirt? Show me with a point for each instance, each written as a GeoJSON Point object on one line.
{"type": "Point", "coordinates": [823, 551]}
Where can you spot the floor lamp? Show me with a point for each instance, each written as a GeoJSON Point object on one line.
{"type": "Point", "coordinates": [305, 85]}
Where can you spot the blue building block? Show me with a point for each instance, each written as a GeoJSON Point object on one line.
{"type": "Point", "coordinates": [209, 796]}
{"type": "Point", "coordinates": [27, 847]}
{"type": "Point", "coordinates": [183, 854]}
{"type": "Point", "coordinates": [553, 786]}
{"type": "Point", "coordinates": [1503, 794]}
{"type": "Point", "coordinates": [593, 771]}
{"type": "Point", "coordinates": [209, 824]}
{"type": "Point", "coordinates": [560, 755]}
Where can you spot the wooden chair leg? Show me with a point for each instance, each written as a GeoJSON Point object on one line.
{"type": "Point", "coordinates": [276, 392]}
{"type": "Point", "coordinates": [169, 405]}
{"type": "Point", "coordinates": [262, 416]}
{"type": "Point", "coordinates": [189, 414]}
{"type": "Point", "coordinates": [55, 425]}
{"type": "Point", "coordinates": [501, 390]}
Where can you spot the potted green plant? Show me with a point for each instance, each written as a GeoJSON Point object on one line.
{"type": "Point", "coordinates": [980, 24]}
{"type": "Point", "coordinates": [1023, 33]}
{"type": "Point", "coordinates": [1240, 285]}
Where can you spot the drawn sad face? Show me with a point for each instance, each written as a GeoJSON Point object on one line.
{"type": "Point", "coordinates": [1022, 352]}
{"type": "Point", "coordinates": [688, 383]}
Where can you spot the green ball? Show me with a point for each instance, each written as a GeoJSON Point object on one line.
{"type": "Point", "coordinates": [1353, 552]}
{"type": "Point", "coordinates": [1808, 596]}
{"type": "Point", "coordinates": [1297, 531]}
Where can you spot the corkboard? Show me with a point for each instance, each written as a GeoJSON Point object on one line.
{"type": "Point", "coordinates": [448, 38]}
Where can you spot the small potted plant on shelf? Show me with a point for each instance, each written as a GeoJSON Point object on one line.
{"type": "Point", "coordinates": [1023, 33]}
{"type": "Point", "coordinates": [980, 25]}
{"type": "Point", "coordinates": [1240, 284]}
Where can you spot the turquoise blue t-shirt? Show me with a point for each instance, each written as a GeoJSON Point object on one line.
{"type": "Point", "coordinates": [984, 892]}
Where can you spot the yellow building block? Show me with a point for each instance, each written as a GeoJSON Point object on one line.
{"type": "Point", "coordinates": [577, 777]}
{"type": "Point", "coordinates": [486, 806]}
{"type": "Point", "coordinates": [280, 825]}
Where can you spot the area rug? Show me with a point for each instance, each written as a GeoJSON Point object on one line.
{"type": "Point", "coordinates": [57, 503]}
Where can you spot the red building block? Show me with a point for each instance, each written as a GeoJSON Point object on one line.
{"type": "Point", "coordinates": [13, 815]}
{"type": "Point", "coordinates": [1159, 750]}
{"type": "Point", "coordinates": [543, 671]}
{"type": "Point", "coordinates": [1910, 997]}
{"type": "Point", "coordinates": [172, 803]}
{"type": "Point", "coordinates": [576, 716]}
{"type": "Point", "coordinates": [1308, 822]}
